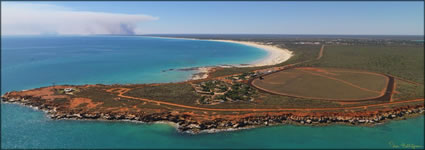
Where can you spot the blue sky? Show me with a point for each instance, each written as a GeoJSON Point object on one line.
{"type": "Point", "coordinates": [384, 18]}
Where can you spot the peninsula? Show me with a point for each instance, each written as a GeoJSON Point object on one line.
{"type": "Point", "coordinates": [301, 81]}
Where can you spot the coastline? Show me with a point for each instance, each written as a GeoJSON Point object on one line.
{"type": "Point", "coordinates": [275, 55]}
{"type": "Point", "coordinates": [185, 124]}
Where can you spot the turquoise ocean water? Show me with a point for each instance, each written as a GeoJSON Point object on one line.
{"type": "Point", "coordinates": [32, 61]}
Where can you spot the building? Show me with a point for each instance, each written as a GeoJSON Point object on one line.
{"type": "Point", "coordinates": [68, 89]}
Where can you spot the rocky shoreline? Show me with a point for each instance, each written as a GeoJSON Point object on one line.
{"type": "Point", "coordinates": [187, 123]}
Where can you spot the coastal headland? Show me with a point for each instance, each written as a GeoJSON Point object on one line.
{"type": "Point", "coordinates": [306, 85]}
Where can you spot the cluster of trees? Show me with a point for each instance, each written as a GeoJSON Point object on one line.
{"type": "Point", "coordinates": [235, 92]}
{"type": "Point", "coordinates": [240, 91]}
{"type": "Point", "coordinates": [210, 86]}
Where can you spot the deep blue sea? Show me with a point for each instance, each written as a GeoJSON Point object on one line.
{"type": "Point", "coordinates": [34, 61]}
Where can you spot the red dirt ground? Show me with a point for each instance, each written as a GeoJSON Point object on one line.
{"type": "Point", "coordinates": [77, 101]}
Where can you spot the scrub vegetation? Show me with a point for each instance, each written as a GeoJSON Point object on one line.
{"type": "Point", "coordinates": [406, 62]}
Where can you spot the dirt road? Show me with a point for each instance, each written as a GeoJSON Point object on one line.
{"type": "Point", "coordinates": [122, 91]}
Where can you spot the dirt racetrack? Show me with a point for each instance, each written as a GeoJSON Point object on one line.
{"type": "Point", "coordinates": [324, 83]}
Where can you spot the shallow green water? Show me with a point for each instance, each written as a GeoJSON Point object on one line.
{"type": "Point", "coordinates": [27, 128]}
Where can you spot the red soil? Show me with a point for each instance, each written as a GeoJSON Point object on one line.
{"type": "Point", "coordinates": [77, 101]}
{"type": "Point", "coordinates": [44, 93]}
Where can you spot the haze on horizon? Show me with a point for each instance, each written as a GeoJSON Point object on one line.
{"type": "Point", "coordinates": [134, 18]}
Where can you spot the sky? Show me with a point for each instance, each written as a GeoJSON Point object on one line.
{"type": "Point", "coordinates": [130, 18]}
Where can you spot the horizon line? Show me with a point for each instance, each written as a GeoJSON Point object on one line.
{"type": "Point", "coordinates": [208, 34]}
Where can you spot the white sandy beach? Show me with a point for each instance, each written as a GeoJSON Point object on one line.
{"type": "Point", "coordinates": [275, 56]}
{"type": "Point", "coordinates": [202, 73]}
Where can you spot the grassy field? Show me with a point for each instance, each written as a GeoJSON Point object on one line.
{"type": "Point", "coordinates": [323, 84]}
{"type": "Point", "coordinates": [406, 91]}
{"type": "Point", "coordinates": [406, 62]}
{"type": "Point", "coordinates": [98, 94]}
{"type": "Point", "coordinates": [176, 93]}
